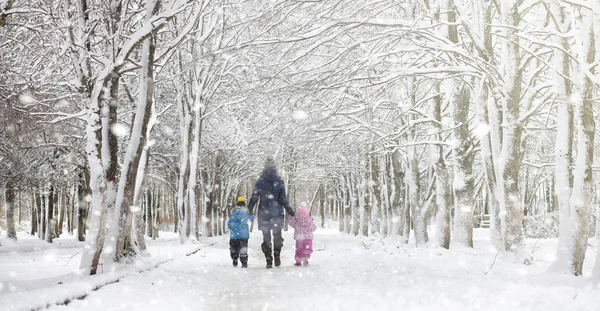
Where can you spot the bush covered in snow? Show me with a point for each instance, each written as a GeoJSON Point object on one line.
{"type": "Point", "coordinates": [546, 226]}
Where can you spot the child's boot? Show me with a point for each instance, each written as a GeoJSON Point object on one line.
{"type": "Point", "coordinates": [277, 261]}
{"type": "Point", "coordinates": [235, 262]}
{"type": "Point", "coordinates": [244, 260]}
{"type": "Point", "coordinates": [305, 262]}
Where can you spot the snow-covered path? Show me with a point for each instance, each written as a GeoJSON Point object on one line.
{"type": "Point", "coordinates": [346, 273]}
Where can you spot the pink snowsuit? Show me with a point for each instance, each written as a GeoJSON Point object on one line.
{"type": "Point", "coordinates": [303, 234]}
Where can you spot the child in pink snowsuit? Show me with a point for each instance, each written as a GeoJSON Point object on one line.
{"type": "Point", "coordinates": [303, 234]}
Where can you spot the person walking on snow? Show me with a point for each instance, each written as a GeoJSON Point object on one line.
{"type": "Point", "coordinates": [270, 189]}
{"type": "Point", "coordinates": [304, 226]}
{"type": "Point", "coordinates": [238, 237]}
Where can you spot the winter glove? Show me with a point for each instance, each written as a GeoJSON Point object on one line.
{"type": "Point", "coordinates": [293, 214]}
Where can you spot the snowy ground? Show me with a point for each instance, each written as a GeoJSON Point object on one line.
{"type": "Point", "coordinates": [345, 273]}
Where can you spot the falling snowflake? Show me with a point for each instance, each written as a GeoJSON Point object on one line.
{"type": "Point", "coordinates": [482, 130]}
{"type": "Point", "coordinates": [119, 129]}
{"type": "Point", "coordinates": [299, 114]}
{"type": "Point", "coordinates": [26, 99]}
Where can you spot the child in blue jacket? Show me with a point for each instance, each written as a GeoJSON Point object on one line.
{"type": "Point", "coordinates": [238, 239]}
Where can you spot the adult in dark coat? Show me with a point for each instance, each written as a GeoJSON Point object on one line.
{"type": "Point", "coordinates": [270, 189]}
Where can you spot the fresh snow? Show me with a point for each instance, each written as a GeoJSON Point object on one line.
{"type": "Point", "coordinates": [345, 273]}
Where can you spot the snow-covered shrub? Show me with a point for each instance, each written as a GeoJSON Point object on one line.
{"type": "Point", "coordinates": [546, 226]}
{"type": "Point", "coordinates": [541, 226]}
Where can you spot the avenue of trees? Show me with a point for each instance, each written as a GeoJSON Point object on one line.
{"type": "Point", "coordinates": [122, 118]}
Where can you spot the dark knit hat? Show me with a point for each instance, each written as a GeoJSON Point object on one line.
{"type": "Point", "coordinates": [270, 164]}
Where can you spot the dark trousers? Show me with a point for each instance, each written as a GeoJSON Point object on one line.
{"type": "Point", "coordinates": [238, 248]}
{"type": "Point", "coordinates": [277, 241]}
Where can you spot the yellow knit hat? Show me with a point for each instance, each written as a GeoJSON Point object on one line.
{"type": "Point", "coordinates": [240, 201]}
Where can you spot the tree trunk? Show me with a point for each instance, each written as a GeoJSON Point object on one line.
{"type": "Point", "coordinates": [41, 206]}
{"type": "Point", "coordinates": [184, 172]}
{"type": "Point", "coordinates": [50, 215]}
{"type": "Point", "coordinates": [149, 212]}
{"type": "Point", "coordinates": [3, 16]}
{"type": "Point", "coordinates": [156, 212]}
{"type": "Point", "coordinates": [442, 186]}
{"type": "Point", "coordinates": [61, 217]}
{"type": "Point", "coordinates": [398, 194]}
{"type": "Point", "coordinates": [510, 203]}
{"type": "Point", "coordinates": [573, 240]}
{"type": "Point", "coordinates": [11, 232]}
{"type": "Point", "coordinates": [19, 208]}
{"type": "Point", "coordinates": [83, 191]}
{"type": "Point", "coordinates": [191, 190]}
{"type": "Point", "coordinates": [322, 203]}
{"type": "Point", "coordinates": [463, 166]}
{"type": "Point", "coordinates": [120, 236]}
{"type": "Point", "coordinates": [564, 142]}
{"type": "Point", "coordinates": [355, 195]}
{"type": "Point", "coordinates": [34, 214]}
{"type": "Point", "coordinates": [69, 211]}
{"type": "Point", "coordinates": [376, 205]}
{"type": "Point", "coordinates": [418, 217]}
{"type": "Point", "coordinates": [490, 149]}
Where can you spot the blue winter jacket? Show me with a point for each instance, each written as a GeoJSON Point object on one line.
{"type": "Point", "coordinates": [238, 225]}
{"type": "Point", "coordinates": [270, 189]}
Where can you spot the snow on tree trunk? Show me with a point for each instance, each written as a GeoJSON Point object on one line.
{"type": "Point", "coordinates": [377, 206]}
{"type": "Point", "coordinates": [97, 185]}
{"type": "Point", "coordinates": [156, 212]}
{"type": "Point", "coordinates": [64, 203]}
{"type": "Point", "coordinates": [490, 146]}
{"type": "Point", "coordinates": [564, 142]}
{"type": "Point", "coordinates": [416, 213]}
{"type": "Point", "coordinates": [41, 214]}
{"type": "Point", "coordinates": [120, 238]}
{"type": "Point", "coordinates": [354, 198]}
{"type": "Point", "coordinates": [362, 197]}
{"type": "Point", "coordinates": [418, 220]}
{"type": "Point", "coordinates": [194, 158]}
{"type": "Point", "coordinates": [463, 170]}
{"type": "Point", "coordinates": [583, 184]}
{"type": "Point", "coordinates": [442, 188]}
{"type": "Point", "coordinates": [398, 194]}
{"type": "Point", "coordinates": [340, 200]}
{"type": "Point", "coordinates": [575, 202]}
{"type": "Point", "coordinates": [347, 203]}
{"type": "Point", "coordinates": [510, 203]}
{"type": "Point", "coordinates": [182, 199]}
{"type": "Point", "coordinates": [83, 194]}
{"type": "Point", "coordinates": [110, 147]}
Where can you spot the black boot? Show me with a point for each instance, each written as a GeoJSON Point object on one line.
{"type": "Point", "coordinates": [244, 260]}
{"type": "Point", "coordinates": [268, 251]}
{"type": "Point", "coordinates": [277, 251]}
{"type": "Point", "coordinates": [234, 249]}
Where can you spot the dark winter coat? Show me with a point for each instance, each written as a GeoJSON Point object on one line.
{"type": "Point", "coordinates": [238, 224]}
{"type": "Point", "coordinates": [270, 189]}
